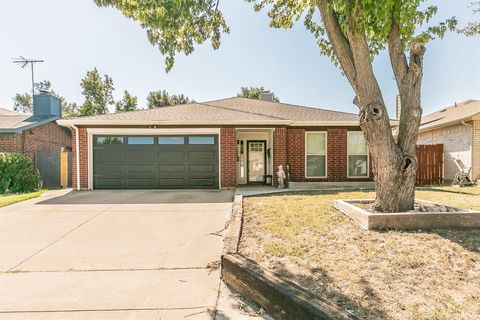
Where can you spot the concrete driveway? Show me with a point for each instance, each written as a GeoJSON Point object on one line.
{"type": "Point", "coordinates": [112, 255]}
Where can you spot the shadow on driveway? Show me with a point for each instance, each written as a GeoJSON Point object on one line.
{"type": "Point", "coordinates": [141, 197]}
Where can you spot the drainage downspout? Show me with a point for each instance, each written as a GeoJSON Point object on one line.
{"type": "Point", "coordinates": [77, 155]}
{"type": "Point", "coordinates": [473, 149]}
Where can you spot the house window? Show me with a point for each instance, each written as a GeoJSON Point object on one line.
{"type": "Point", "coordinates": [316, 154]}
{"type": "Point", "coordinates": [109, 140]}
{"type": "Point", "coordinates": [357, 155]}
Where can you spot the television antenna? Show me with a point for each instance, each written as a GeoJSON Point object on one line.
{"type": "Point", "coordinates": [23, 62]}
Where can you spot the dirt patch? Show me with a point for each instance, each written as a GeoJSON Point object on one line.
{"type": "Point", "coordinates": [377, 275]}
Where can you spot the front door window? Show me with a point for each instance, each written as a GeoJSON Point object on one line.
{"type": "Point", "coordinates": [256, 161]}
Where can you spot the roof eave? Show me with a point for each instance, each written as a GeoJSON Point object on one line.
{"type": "Point", "coordinates": [447, 124]}
{"type": "Point", "coordinates": [80, 122]}
{"type": "Point", "coordinates": [28, 126]}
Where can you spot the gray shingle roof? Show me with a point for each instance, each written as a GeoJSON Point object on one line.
{"type": "Point", "coordinates": [457, 113]}
{"type": "Point", "coordinates": [12, 122]}
{"type": "Point", "coordinates": [230, 109]}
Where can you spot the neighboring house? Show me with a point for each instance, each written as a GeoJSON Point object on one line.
{"type": "Point", "coordinates": [458, 128]}
{"type": "Point", "coordinates": [216, 144]}
{"type": "Point", "coordinates": [24, 133]}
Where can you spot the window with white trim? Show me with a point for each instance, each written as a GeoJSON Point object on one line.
{"type": "Point", "coordinates": [357, 155]}
{"type": "Point", "coordinates": [316, 154]}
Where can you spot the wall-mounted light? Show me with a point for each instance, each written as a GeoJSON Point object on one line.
{"type": "Point", "coordinates": [268, 153]}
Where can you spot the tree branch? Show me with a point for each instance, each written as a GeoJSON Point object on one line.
{"type": "Point", "coordinates": [339, 42]}
{"type": "Point", "coordinates": [397, 54]}
{"type": "Point", "coordinates": [410, 98]}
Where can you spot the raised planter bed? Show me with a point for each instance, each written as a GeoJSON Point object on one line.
{"type": "Point", "coordinates": [435, 216]}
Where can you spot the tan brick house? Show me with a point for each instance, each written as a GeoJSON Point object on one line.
{"type": "Point", "coordinates": [24, 133]}
{"type": "Point", "coordinates": [457, 127]}
{"type": "Point", "coordinates": [217, 144]}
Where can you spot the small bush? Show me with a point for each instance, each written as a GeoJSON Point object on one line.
{"type": "Point", "coordinates": [17, 174]}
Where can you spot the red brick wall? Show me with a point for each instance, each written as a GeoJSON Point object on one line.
{"type": "Point", "coordinates": [47, 137]}
{"type": "Point", "coordinates": [228, 157]}
{"type": "Point", "coordinates": [296, 153]}
{"type": "Point", "coordinates": [11, 143]}
{"type": "Point", "coordinates": [83, 144]}
{"type": "Point", "coordinates": [337, 161]}
{"type": "Point", "coordinates": [279, 152]}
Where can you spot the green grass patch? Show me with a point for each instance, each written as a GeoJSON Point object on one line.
{"type": "Point", "coordinates": [5, 200]}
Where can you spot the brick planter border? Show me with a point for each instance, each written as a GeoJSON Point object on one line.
{"type": "Point", "coordinates": [464, 218]}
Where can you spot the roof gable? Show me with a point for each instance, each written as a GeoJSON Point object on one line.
{"type": "Point", "coordinates": [457, 113]}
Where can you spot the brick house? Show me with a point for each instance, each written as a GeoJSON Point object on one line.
{"type": "Point", "coordinates": [458, 128]}
{"type": "Point", "coordinates": [217, 144]}
{"type": "Point", "coordinates": [23, 133]}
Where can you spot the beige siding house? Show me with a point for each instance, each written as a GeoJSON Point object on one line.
{"type": "Point", "coordinates": [458, 128]}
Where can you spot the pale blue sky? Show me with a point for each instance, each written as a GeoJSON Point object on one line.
{"type": "Point", "coordinates": [73, 36]}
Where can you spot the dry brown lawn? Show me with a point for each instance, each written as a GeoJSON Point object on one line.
{"type": "Point", "coordinates": [419, 274]}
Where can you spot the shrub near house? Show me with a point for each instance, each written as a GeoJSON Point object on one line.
{"type": "Point", "coordinates": [17, 174]}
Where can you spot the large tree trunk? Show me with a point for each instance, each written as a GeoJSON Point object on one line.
{"type": "Point", "coordinates": [394, 161]}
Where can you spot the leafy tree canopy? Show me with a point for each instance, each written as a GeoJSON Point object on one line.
{"type": "Point", "coordinates": [22, 102]}
{"type": "Point", "coordinates": [472, 28]}
{"type": "Point", "coordinates": [254, 93]}
{"type": "Point", "coordinates": [173, 25]}
{"type": "Point", "coordinates": [162, 98]}
{"type": "Point", "coordinates": [98, 93]}
{"type": "Point", "coordinates": [128, 103]}
{"type": "Point", "coordinates": [176, 26]}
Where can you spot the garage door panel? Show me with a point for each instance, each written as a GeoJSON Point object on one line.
{"type": "Point", "coordinates": [170, 155]}
{"type": "Point", "coordinates": [110, 183]}
{"type": "Point", "coordinates": [146, 183]}
{"type": "Point", "coordinates": [202, 155]}
{"type": "Point", "coordinates": [202, 183]}
{"type": "Point", "coordinates": [108, 156]}
{"type": "Point", "coordinates": [115, 170]}
{"type": "Point", "coordinates": [140, 156]}
{"type": "Point", "coordinates": [140, 170]}
{"type": "Point", "coordinates": [171, 168]}
{"type": "Point", "coordinates": [165, 164]}
{"type": "Point", "coordinates": [171, 182]}
{"type": "Point", "coordinates": [202, 169]}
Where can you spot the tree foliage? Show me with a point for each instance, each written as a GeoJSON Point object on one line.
{"type": "Point", "coordinates": [128, 103]}
{"type": "Point", "coordinates": [22, 102]}
{"type": "Point", "coordinates": [254, 93]}
{"type": "Point", "coordinates": [472, 28]}
{"type": "Point", "coordinates": [98, 93]}
{"type": "Point", "coordinates": [162, 98]}
{"type": "Point", "coordinates": [174, 25]}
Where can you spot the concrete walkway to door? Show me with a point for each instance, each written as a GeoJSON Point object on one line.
{"type": "Point", "coordinates": [112, 255]}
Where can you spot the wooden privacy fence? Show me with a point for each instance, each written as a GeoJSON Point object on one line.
{"type": "Point", "coordinates": [55, 168]}
{"type": "Point", "coordinates": [430, 164]}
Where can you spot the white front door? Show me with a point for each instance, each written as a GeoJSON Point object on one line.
{"type": "Point", "coordinates": [256, 161]}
